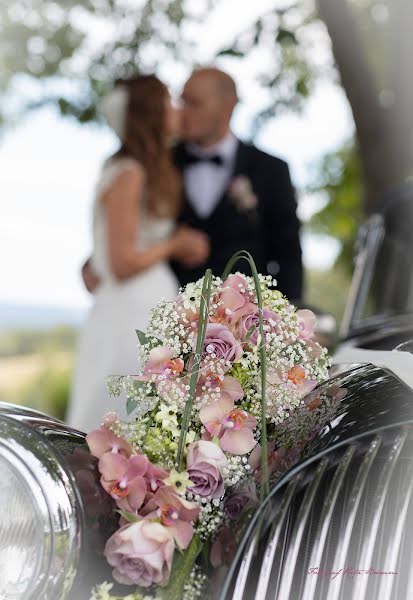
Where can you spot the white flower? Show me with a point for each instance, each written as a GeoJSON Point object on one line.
{"type": "Point", "coordinates": [242, 193]}
{"type": "Point", "coordinates": [167, 417]}
{"type": "Point", "coordinates": [102, 592]}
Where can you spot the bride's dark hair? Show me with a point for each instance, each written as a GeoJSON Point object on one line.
{"type": "Point", "coordinates": [145, 139]}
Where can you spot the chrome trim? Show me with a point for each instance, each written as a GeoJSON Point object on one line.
{"type": "Point", "coordinates": [375, 513]}
{"type": "Point", "coordinates": [336, 525]}
{"type": "Point", "coordinates": [268, 559]}
{"type": "Point", "coordinates": [394, 548]}
{"type": "Point", "coordinates": [325, 519]}
{"type": "Point", "coordinates": [351, 512]}
{"type": "Point", "coordinates": [298, 532]}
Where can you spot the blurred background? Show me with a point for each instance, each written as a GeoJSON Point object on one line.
{"type": "Point", "coordinates": [324, 84]}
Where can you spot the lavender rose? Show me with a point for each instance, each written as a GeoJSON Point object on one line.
{"type": "Point", "coordinates": [250, 322]}
{"type": "Point", "coordinates": [220, 342]}
{"type": "Point", "coordinates": [243, 499]}
{"type": "Point", "coordinates": [141, 553]}
{"type": "Point", "coordinates": [204, 463]}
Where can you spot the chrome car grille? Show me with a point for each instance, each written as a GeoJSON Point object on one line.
{"type": "Point", "coordinates": [340, 528]}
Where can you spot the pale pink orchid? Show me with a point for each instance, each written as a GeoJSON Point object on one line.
{"type": "Point", "coordinates": [103, 440]}
{"type": "Point", "coordinates": [154, 477]}
{"type": "Point", "coordinates": [123, 478]}
{"type": "Point", "coordinates": [236, 282]}
{"type": "Point", "coordinates": [176, 514]}
{"type": "Point", "coordinates": [307, 321]}
{"type": "Point", "coordinates": [227, 385]}
{"type": "Point", "coordinates": [295, 380]}
{"type": "Point", "coordinates": [161, 362]}
{"type": "Point", "coordinates": [233, 427]}
{"type": "Point", "coordinates": [276, 458]}
{"type": "Point", "coordinates": [231, 301]}
{"type": "Point", "coordinates": [235, 301]}
{"type": "Point", "coordinates": [314, 348]}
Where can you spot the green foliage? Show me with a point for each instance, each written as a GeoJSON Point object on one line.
{"type": "Point", "coordinates": [48, 392]}
{"type": "Point", "coordinates": [51, 41]}
{"type": "Point", "coordinates": [327, 290]}
{"type": "Point", "coordinates": [29, 341]}
{"type": "Point", "coordinates": [339, 180]}
{"type": "Point", "coordinates": [36, 368]}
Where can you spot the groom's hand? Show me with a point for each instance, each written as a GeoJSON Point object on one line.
{"type": "Point", "coordinates": [90, 279]}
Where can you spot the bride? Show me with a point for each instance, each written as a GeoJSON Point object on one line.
{"type": "Point", "coordinates": [134, 234]}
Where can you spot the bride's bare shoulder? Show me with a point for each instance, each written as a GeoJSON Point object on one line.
{"type": "Point", "coordinates": [119, 173]}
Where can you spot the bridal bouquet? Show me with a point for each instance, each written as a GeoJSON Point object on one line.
{"type": "Point", "coordinates": [226, 366]}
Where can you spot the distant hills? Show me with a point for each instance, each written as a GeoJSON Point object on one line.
{"type": "Point", "coordinates": [17, 316]}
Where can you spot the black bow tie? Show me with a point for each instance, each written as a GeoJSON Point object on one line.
{"type": "Point", "coordinates": [193, 159]}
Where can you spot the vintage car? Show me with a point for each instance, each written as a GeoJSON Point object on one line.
{"type": "Point", "coordinates": [337, 524]}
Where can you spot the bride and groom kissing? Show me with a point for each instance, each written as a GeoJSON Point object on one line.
{"type": "Point", "coordinates": [164, 212]}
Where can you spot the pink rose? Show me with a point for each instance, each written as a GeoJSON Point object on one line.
{"type": "Point", "coordinates": [221, 344]}
{"type": "Point", "coordinates": [204, 463]}
{"type": "Point", "coordinates": [141, 554]}
{"type": "Point", "coordinates": [250, 322]}
{"type": "Point", "coordinates": [241, 500]}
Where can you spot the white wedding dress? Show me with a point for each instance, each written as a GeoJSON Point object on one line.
{"type": "Point", "coordinates": [108, 343]}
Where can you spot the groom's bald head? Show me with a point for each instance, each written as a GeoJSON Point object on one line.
{"type": "Point", "coordinates": [209, 97]}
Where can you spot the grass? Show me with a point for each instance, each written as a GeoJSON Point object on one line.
{"type": "Point", "coordinates": [37, 375]}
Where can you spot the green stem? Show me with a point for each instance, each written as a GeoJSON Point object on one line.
{"type": "Point", "coordinates": [244, 255]}
{"type": "Point", "coordinates": [202, 327]}
{"type": "Point", "coordinates": [181, 570]}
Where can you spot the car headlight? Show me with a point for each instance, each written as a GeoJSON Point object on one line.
{"type": "Point", "coordinates": [40, 517]}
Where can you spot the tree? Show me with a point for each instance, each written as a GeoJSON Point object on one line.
{"type": "Point", "coordinates": [338, 179]}
{"type": "Point", "coordinates": [59, 41]}
{"type": "Point", "coordinates": [370, 39]}
{"type": "Point", "coordinates": [380, 95]}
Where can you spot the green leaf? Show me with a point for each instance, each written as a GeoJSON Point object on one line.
{"type": "Point", "coordinates": [131, 404]}
{"type": "Point", "coordinates": [181, 569]}
{"type": "Point", "coordinates": [132, 401]}
{"type": "Point", "coordinates": [146, 340]}
{"type": "Point", "coordinates": [231, 52]}
{"type": "Point", "coordinates": [129, 516]}
{"type": "Point", "coordinates": [286, 37]}
{"type": "Point", "coordinates": [141, 337]}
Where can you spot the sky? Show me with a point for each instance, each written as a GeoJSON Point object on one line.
{"type": "Point", "coordinates": [49, 166]}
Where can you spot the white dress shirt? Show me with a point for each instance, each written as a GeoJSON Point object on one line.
{"type": "Point", "coordinates": [205, 182]}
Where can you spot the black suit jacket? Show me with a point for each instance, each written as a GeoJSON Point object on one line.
{"type": "Point", "coordinates": [270, 232]}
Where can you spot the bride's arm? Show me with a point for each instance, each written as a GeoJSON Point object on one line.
{"type": "Point", "coordinates": [121, 204]}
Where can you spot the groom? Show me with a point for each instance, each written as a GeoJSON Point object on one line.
{"type": "Point", "coordinates": [241, 197]}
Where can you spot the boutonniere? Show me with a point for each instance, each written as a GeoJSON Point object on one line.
{"type": "Point", "coordinates": [242, 194]}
